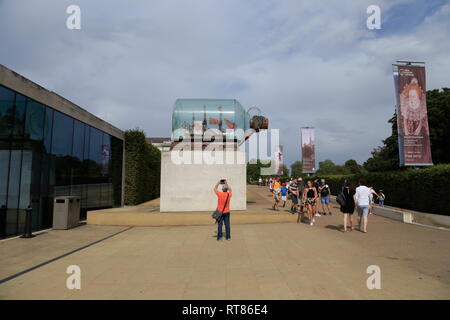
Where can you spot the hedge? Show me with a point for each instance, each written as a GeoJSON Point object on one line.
{"type": "Point", "coordinates": [142, 168]}
{"type": "Point", "coordinates": [425, 189]}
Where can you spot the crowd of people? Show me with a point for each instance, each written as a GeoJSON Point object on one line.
{"type": "Point", "coordinates": [307, 198]}
{"type": "Point", "coordinates": [304, 199]}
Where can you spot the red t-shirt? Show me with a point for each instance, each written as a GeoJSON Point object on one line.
{"type": "Point", "coordinates": [221, 198]}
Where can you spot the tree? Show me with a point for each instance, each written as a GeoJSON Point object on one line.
{"type": "Point", "coordinates": [285, 171]}
{"type": "Point", "coordinates": [254, 170]}
{"type": "Point", "coordinates": [438, 103]}
{"type": "Point", "coordinates": [385, 157]}
{"type": "Point", "coordinates": [353, 167]}
{"type": "Point", "coordinates": [142, 168]}
{"type": "Point", "coordinates": [296, 169]}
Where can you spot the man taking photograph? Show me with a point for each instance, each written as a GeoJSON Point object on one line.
{"type": "Point", "coordinates": [223, 205]}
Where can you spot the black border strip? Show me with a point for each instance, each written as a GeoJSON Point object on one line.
{"type": "Point", "coordinates": [61, 256]}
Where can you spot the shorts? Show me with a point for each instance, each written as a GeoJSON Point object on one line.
{"type": "Point", "coordinates": [325, 200]}
{"type": "Point", "coordinates": [363, 211]}
{"type": "Point", "coordinates": [283, 198]}
{"type": "Point", "coordinates": [294, 198]}
{"type": "Point", "coordinates": [310, 202]}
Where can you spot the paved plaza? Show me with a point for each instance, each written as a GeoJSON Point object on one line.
{"type": "Point", "coordinates": [262, 261]}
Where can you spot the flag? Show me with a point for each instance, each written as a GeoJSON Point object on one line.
{"type": "Point", "coordinates": [230, 125]}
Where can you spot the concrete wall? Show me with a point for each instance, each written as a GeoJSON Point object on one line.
{"type": "Point", "coordinates": [189, 187]}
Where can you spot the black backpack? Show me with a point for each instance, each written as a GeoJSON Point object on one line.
{"type": "Point", "coordinates": [341, 199]}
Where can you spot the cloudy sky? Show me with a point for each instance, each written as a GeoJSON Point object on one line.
{"type": "Point", "coordinates": [303, 63]}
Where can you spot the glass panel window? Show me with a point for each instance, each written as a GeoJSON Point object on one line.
{"type": "Point", "coordinates": [62, 134]}
{"type": "Point", "coordinates": [34, 120]}
{"type": "Point", "coordinates": [4, 170]}
{"type": "Point", "coordinates": [19, 115]}
{"type": "Point", "coordinates": [78, 140]}
{"type": "Point", "coordinates": [48, 126]}
{"type": "Point", "coordinates": [6, 111]}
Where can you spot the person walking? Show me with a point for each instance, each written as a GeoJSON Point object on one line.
{"type": "Point", "coordinates": [362, 201]}
{"type": "Point", "coordinates": [284, 194]}
{"type": "Point", "coordinates": [293, 189]}
{"type": "Point", "coordinates": [373, 196]}
{"type": "Point", "coordinates": [324, 191]}
{"type": "Point", "coordinates": [381, 198]}
{"type": "Point", "coordinates": [349, 206]}
{"type": "Point", "coordinates": [223, 205]}
{"type": "Point", "coordinates": [276, 189]}
{"type": "Point", "coordinates": [301, 187]}
{"type": "Point", "coordinates": [316, 185]}
{"type": "Point", "coordinates": [309, 198]}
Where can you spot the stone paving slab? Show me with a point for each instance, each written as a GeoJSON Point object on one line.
{"type": "Point", "coordinates": [262, 261]}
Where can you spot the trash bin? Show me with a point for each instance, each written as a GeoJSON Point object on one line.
{"type": "Point", "coordinates": [66, 212]}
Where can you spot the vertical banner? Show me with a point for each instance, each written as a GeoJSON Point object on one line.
{"type": "Point", "coordinates": [308, 150]}
{"type": "Point", "coordinates": [412, 119]}
{"type": "Point", "coordinates": [278, 160]}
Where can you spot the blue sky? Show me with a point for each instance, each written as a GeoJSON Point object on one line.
{"type": "Point", "coordinates": [303, 63]}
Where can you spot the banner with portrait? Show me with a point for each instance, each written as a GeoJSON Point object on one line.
{"type": "Point", "coordinates": [279, 160]}
{"type": "Point", "coordinates": [412, 119]}
{"type": "Point", "coordinates": [308, 150]}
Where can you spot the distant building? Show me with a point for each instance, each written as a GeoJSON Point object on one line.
{"type": "Point", "coordinates": [163, 144]}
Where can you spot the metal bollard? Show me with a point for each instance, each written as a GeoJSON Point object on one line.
{"type": "Point", "coordinates": [27, 231]}
{"type": "Point", "coordinates": [3, 211]}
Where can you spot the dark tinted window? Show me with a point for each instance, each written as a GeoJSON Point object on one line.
{"type": "Point", "coordinates": [62, 134]}
{"type": "Point", "coordinates": [34, 120]}
{"type": "Point", "coordinates": [95, 145]}
{"type": "Point", "coordinates": [78, 140]}
{"type": "Point", "coordinates": [19, 115]}
{"type": "Point", "coordinates": [48, 126]}
{"type": "Point", "coordinates": [6, 111]}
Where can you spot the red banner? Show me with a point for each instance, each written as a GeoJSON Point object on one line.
{"type": "Point", "coordinates": [279, 160]}
{"type": "Point", "coordinates": [308, 150]}
{"type": "Point", "coordinates": [412, 119]}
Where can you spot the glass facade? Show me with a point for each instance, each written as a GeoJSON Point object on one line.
{"type": "Point", "coordinates": [197, 118]}
{"type": "Point", "coordinates": [45, 153]}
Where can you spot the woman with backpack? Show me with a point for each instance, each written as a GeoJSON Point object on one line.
{"type": "Point", "coordinates": [348, 207]}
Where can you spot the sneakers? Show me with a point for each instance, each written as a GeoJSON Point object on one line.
{"type": "Point", "coordinates": [317, 215]}
{"type": "Point", "coordinates": [311, 224]}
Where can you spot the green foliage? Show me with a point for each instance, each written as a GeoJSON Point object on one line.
{"type": "Point", "coordinates": [328, 167]}
{"type": "Point", "coordinates": [142, 167]}
{"type": "Point", "coordinates": [285, 171]}
{"type": "Point", "coordinates": [438, 103]}
{"type": "Point", "coordinates": [296, 169]}
{"type": "Point", "coordinates": [424, 189]}
{"type": "Point", "coordinates": [385, 158]}
{"type": "Point", "coordinates": [254, 171]}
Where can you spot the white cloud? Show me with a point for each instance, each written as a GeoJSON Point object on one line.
{"type": "Point", "coordinates": [302, 62]}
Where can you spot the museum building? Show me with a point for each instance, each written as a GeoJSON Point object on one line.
{"type": "Point", "coordinates": [51, 147]}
